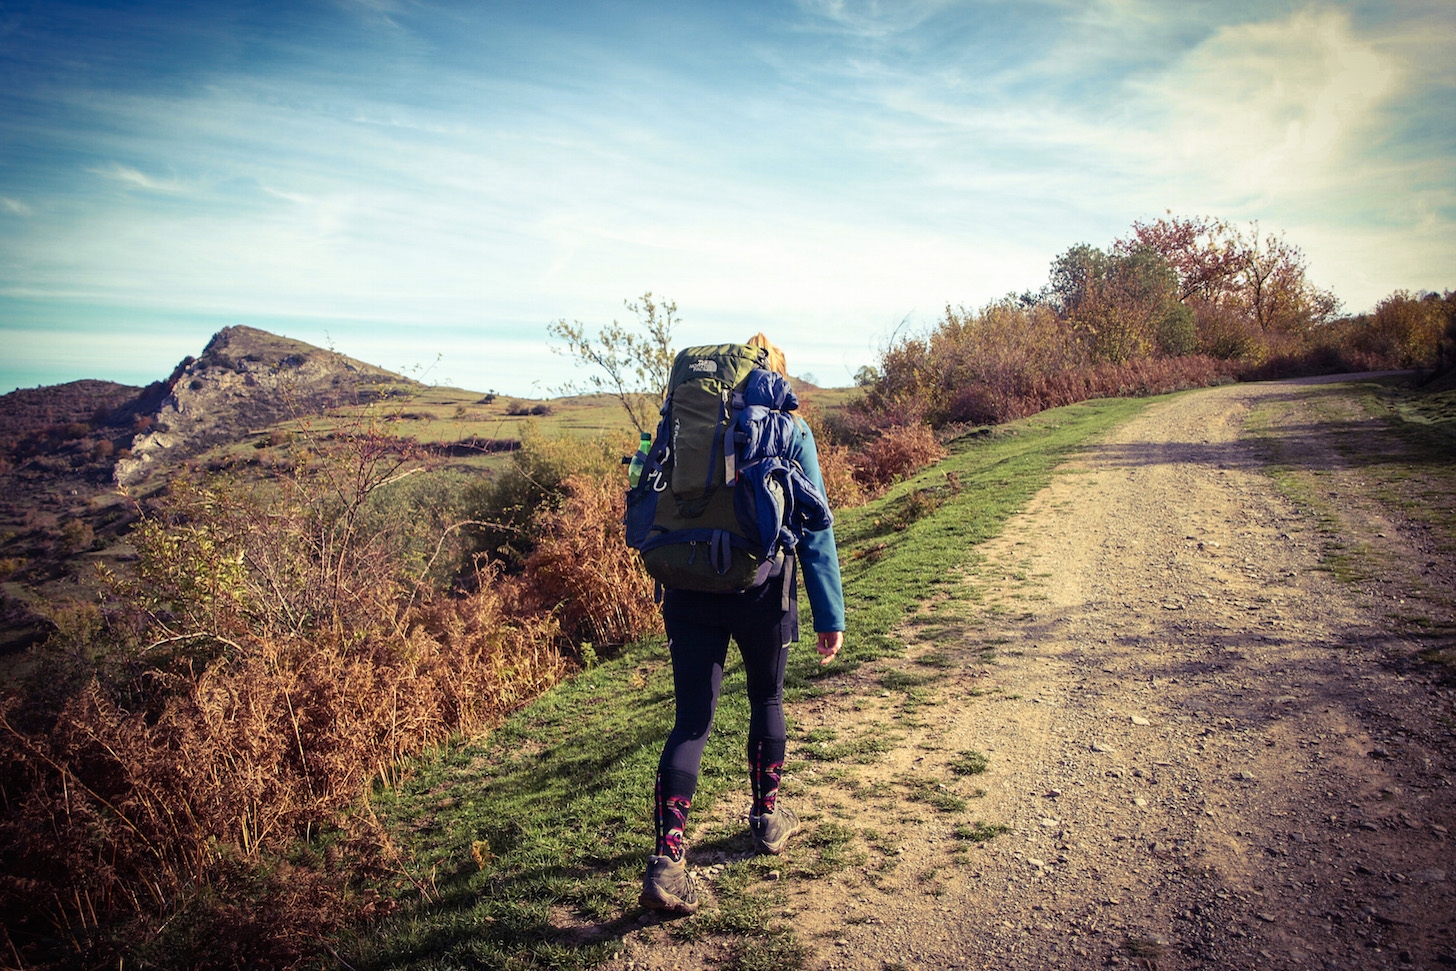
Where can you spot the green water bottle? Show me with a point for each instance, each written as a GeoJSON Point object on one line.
{"type": "Point", "coordinates": [639, 461]}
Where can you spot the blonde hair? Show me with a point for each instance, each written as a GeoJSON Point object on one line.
{"type": "Point", "coordinates": [776, 361]}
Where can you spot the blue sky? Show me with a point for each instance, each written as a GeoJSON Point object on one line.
{"type": "Point", "coordinates": [429, 184]}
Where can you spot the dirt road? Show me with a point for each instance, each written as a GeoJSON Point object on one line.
{"type": "Point", "coordinates": [1206, 750]}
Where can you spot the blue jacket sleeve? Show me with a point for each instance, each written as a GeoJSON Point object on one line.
{"type": "Point", "coordinates": [818, 554]}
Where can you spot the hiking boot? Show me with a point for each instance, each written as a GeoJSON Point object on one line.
{"type": "Point", "coordinates": [772, 830]}
{"type": "Point", "coordinates": [668, 886]}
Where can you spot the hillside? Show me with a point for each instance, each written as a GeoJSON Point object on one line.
{"type": "Point", "coordinates": [64, 449]}
{"type": "Point", "coordinates": [28, 413]}
{"type": "Point", "coordinates": [246, 380]}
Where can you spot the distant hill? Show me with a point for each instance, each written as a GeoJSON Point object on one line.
{"type": "Point", "coordinates": [29, 412]}
{"type": "Point", "coordinates": [65, 448]}
{"type": "Point", "coordinates": [247, 379]}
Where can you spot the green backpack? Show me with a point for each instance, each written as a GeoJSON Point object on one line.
{"type": "Point", "coordinates": [682, 513]}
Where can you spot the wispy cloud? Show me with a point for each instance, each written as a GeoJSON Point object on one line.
{"type": "Point", "coordinates": [872, 19]}
{"type": "Point", "coordinates": [14, 206]}
{"type": "Point", "coordinates": [137, 179]}
{"type": "Point", "coordinates": [1264, 109]}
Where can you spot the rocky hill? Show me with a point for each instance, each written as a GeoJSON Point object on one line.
{"type": "Point", "coordinates": [247, 379]}
{"type": "Point", "coordinates": [65, 448]}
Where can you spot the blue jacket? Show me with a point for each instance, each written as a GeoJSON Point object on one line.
{"type": "Point", "coordinates": [772, 490]}
{"type": "Point", "coordinates": [818, 554]}
{"type": "Point", "coordinates": [764, 427]}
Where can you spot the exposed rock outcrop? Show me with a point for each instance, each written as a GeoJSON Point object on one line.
{"type": "Point", "coordinates": [247, 379]}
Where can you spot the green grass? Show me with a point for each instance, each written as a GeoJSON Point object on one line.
{"type": "Point", "coordinates": [979, 832]}
{"type": "Point", "coordinates": [534, 839]}
{"type": "Point", "coordinates": [970, 762]}
{"type": "Point", "coordinates": [904, 680]}
{"type": "Point", "coordinates": [933, 793]}
{"type": "Point", "coordinates": [1397, 448]}
{"type": "Point", "coordinates": [869, 745]}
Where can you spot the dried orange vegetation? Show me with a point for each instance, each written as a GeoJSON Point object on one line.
{"type": "Point", "coordinates": [896, 452]}
{"type": "Point", "coordinates": [836, 460]}
{"type": "Point", "coordinates": [121, 817]}
{"type": "Point", "coordinates": [583, 573]}
{"type": "Point", "coordinates": [185, 783]}
{"type": "Point", "coordinates": [1009, 361]}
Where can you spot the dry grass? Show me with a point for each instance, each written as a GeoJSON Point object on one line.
{"type": "Point", "coordinates": [122, 820]}
{"type": "Point", "coordinates": [894, 453]}
{"type": "Point", "coordinates": [183, 779]}
{"type": "Point", "coordinates": [585, 575]}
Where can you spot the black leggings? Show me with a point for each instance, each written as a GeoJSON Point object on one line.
{"type": "Point", "coordinates": [698, 628]}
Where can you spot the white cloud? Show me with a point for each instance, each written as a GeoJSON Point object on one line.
{"type": "Point", "coordinates": [135, 178]}
{"type": "Point", "coordinates": [873, 19]}
{"type": "Point", "coordinates": [1261, 110]}
{"type": "Point", "coordinates": [14, 206]}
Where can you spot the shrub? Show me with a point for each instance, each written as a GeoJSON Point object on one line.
{"type": "Point", "coordinates": [271, 658]}
{"type": "Point", "coordinates": [504, 508]}
{"type": "Point", "coordinates": [1406, 331]}
{"type": "Point", "coordinates": [836, 465]}
{"type": "Point", "coordinates": [1009, 360]}
{"type": "Point", "coordinates": [897, 452]}
{"type": "Point", "coordinates": [1178, 331]}
{"type": "Point", "coordinates": [584, 573]}
{"type": "Point", "coordinates": [842, 487]}
{"type": "Point", "coordinates": [418, 517]}
{"type": "Point", "coordinates": [1224, 333]}
{"type": "Point", "coordinates": [220, 778]}
{"type": "Point", "coordinates": [975, 367]}
{"type": "Point", "coordinates": [77, 536]}
{"type": "Point", "coordinates": [1446, 346]}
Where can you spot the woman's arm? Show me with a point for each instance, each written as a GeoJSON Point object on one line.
{"type": "Point", "coordinates": [818, 554]}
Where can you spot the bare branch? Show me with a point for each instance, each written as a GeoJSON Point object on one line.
{"type": "Point", "coordinates": [629, 365]}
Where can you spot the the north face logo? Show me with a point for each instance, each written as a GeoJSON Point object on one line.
{"type": "Point", "coordinates": [704, 366]}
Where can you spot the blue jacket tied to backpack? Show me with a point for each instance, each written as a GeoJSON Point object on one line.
{"type": "Point", "coordinates": [773, 489]}
{"type": "Point", "coordinates": [780, 466]}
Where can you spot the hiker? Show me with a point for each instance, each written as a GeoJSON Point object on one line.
{"type": "Point", "coordinates": [763, 620]}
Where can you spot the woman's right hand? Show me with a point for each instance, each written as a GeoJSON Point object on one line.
{"type": "Point", "coordinates": [830, 642]}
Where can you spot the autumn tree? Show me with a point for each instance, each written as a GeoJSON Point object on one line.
{"type": "Point", "coordinates": [1124, 304]}
{"type": "Point", "coordinates": [1198, 249]}
{"type": "Point", "coordinates": [1247, 288]}
{"type": "Point", "coordinates": [1272, 285]}
{"type": "Point", "coordinates": [1408, 330]}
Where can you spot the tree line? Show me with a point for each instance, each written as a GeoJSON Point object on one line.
{"type": "Point", "coordinates": [1176, 302]}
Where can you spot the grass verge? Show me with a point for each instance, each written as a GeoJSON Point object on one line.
{"type": "Point", "coordinates": [535, 837]}
{"type": "Point", "coordinates": [1395, 453]}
